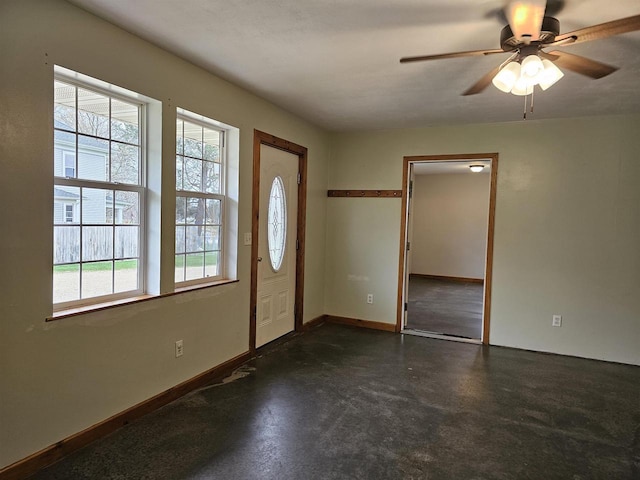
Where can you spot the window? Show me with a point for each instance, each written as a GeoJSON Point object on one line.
{"type": "Point", "coordinates": [200, 200]}
{"type": "Point", "coordinates": [277, 223]}
{"type": "Point", "coordinates": [99, 194]}
{"type": "Point", "coordinates": [68, 213]}
{"type": "Point", "coordinates": [69, 164]}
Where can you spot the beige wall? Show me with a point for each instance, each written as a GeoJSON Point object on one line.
{"type": "Point", "coordinates": [61, 377]}
{"type": "Point", "coordinates": [566, 235]}
{"type": "Point", "coordinates": [567, 231]}
{"type": "Point", "coordinates": [450, 214]}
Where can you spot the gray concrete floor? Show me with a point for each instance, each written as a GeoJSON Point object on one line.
{"type": "Point", "coordinates": [447, 307]}
{"type": "Point", "coordinates": [340, 402]}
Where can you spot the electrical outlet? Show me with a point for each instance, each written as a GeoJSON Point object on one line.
{"type": "Point", "coordinates": [370, 298]}
{"type": "Point", "coordinates": [179, 348]}
{"type": "Point", "coordinates": [557, 321]}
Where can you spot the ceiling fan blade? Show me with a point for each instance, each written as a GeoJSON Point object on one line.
{"type": "Point", "coordinates": [581, 65]}
{"type": "Point", "coordinates": [470, 53]}
{"type": "Point", "coordinates": [483, 83]}
{"type": "Point", "coordinates": [603, 30]}
{"type": "Point", "coordinates": [525, 18]}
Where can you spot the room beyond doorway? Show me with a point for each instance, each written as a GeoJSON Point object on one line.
{"type": "Point", "coordinates": [447, 246]}
{"type": "Point", "coordinates": [445, 306]}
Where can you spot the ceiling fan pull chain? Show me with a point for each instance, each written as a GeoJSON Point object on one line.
{"type": "Point", "coordinates": [533, 90]}
{"type": "Point", "coordinates": [525, 107]}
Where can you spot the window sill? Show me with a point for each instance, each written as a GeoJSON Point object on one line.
{"type": "Point", "coordinates": [200, 286]}
{"type": "Point", "coordinates": [72, 312]}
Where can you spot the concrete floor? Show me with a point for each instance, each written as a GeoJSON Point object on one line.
{"type": "Point", "coordinates": [345, 403]}
{"type": "Point", "coordinates": [447, 307]}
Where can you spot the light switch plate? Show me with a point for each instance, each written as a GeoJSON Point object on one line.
{"type": "Point", "coordinates": [247, 238]}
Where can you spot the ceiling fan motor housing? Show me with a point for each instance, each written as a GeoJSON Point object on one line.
{"type": "Point", "coordinates": [550, 29]}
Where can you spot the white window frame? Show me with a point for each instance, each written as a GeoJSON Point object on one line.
{"type": "Point", "coordinates": [211, 124]}
{"type": "Point", "coordinates": [117, 93]}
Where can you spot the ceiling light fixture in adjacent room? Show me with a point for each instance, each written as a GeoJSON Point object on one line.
{"type": "Point", "coordinates": [476, 168]}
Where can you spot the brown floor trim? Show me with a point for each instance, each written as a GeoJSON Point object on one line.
{"type": "Point", "coordinates": [31, 464]}
{"type": "Point", "coordinates": [314, 323]}
{"type": "Point", "coordinates": [365, 193]}
{"type": "Point", "coordinates": [446, 277]}
{"type": "Point", "coordinates": [387, 327]}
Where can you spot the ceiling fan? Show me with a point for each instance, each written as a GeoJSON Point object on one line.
{"type": "Point", "coordinates": [527, 36]}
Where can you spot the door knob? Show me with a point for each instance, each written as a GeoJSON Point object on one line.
{"type": "Point", "coordinates": [259, 259]}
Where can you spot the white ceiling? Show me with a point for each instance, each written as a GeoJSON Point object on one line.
{"type": "Point", "coordinates": [335, 63]}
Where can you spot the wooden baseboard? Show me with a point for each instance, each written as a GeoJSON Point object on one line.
{"type": "Point", "coordinates": [31, 464]}
{"type": "Point", "coordinates": [445, 277]}
{"type": "Point", "coordinates": [314, 323]}
{"type": "Point", "coordinates": [387, 327]}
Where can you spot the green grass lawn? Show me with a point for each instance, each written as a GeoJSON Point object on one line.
{"type": "Point", "coordinates": [211, 258]}
{"type": "Point", "coordinates": [97, 266]}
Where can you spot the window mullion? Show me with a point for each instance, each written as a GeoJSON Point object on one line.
{"type": "Point", "coordinates": [202, 179]}
{"type": "Point", "coordinates": [74, 182]}
{"type": "Point", "coordinates": [109, 148]}
{"type": "Point", "coordinates": [113, 231]}
{"type": "Point", "coordinates": [76, 137]}
{"type": "Point", "coordinates": [223, 166]}
{"type": "Point", "coordinates": [80, 253]}
{"type": "Point", "coordinates": [188, 193]}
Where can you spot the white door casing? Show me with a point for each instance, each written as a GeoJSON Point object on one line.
{"type": "Point", "coordinates": [276, 285]}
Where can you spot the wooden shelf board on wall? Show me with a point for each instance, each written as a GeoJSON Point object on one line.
{"type": "Point", "coordinates": [365, 193]}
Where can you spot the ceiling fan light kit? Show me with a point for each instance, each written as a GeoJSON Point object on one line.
{"type": "Point", "coordinates": [530, 32]}
{"type": "Point", "coordinates": [520, 79]}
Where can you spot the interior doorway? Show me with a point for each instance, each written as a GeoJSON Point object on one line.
{"type": "Point", "coordinates": [277, 253]}
{"type": "Point", "coordinates": [447, 246]}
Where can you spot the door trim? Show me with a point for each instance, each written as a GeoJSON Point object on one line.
{"type": "Point", "coordinates": [262, 138]}
{"type": "Point", "coordinates": [493, 157]}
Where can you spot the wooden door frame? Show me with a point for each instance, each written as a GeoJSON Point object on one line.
{"type": "Point", "coordinates": [262, 138]}
{"type": "Point", "coordinates": [493, 157]}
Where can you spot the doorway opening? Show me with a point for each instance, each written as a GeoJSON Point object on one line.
{"type": "Point", "coordinates": [277, 238]}
{"type": "Point", "coordinates": [446, 248]}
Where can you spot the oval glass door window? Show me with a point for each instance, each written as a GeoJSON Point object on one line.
{"type": "Point", "coordinates": [277, 223]}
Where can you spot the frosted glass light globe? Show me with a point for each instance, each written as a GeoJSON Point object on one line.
{"type": "Point", "coordinates": [507, 77]}
{"type": "Point", "coordinates": [531, 67]}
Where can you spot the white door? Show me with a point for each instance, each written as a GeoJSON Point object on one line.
{"type": "Point", "coordinates": [277, 231]}
{"type": "Point", "coordinates": [409, 237]}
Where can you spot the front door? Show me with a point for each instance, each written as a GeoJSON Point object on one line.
{"type": "Point", "coordinates": [277, 230]}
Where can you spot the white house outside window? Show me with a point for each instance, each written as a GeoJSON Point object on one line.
{"type": "Point", "coordinates": [98, 195]}
{"type": "Point", "coordinates": [200, 198]}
